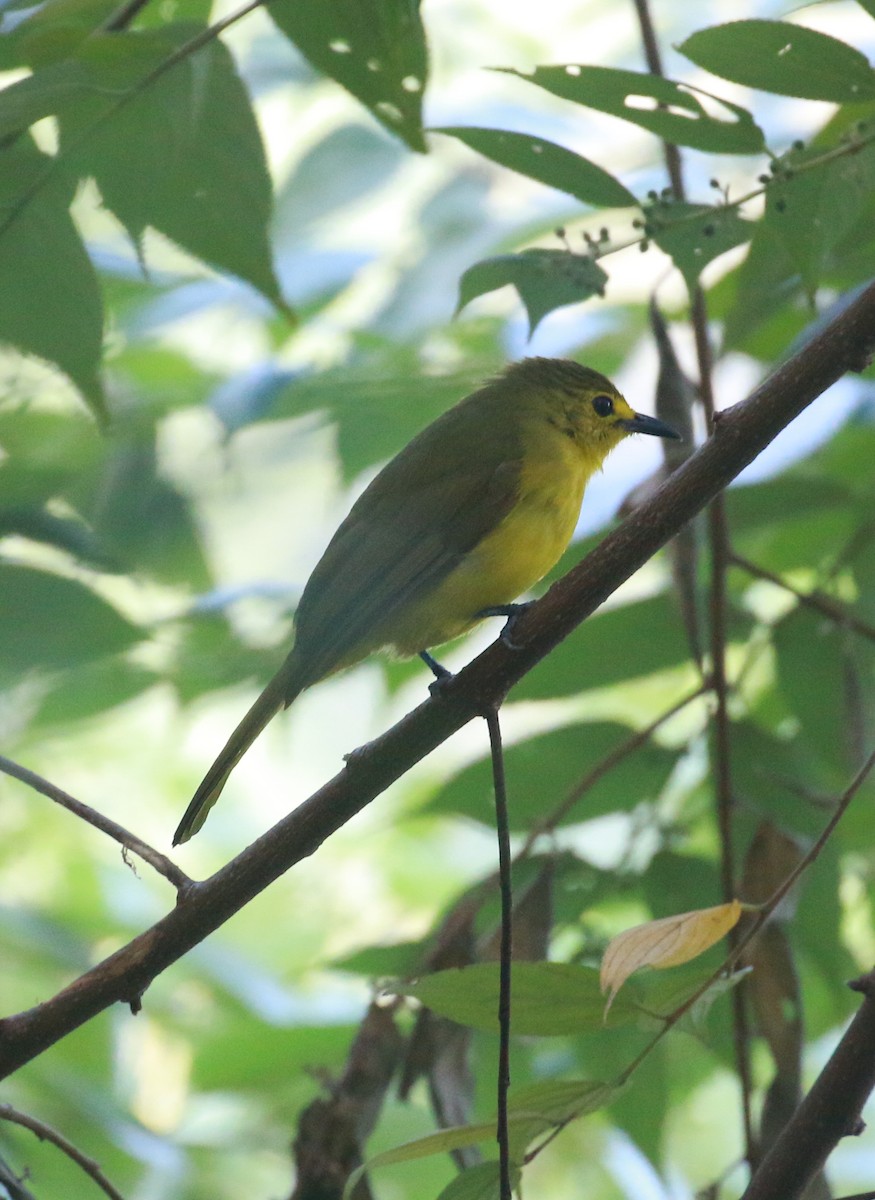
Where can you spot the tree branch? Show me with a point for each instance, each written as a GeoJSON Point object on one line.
{"type": "Point", "coordinates": [838, 613]}
{"type": "Point", "coordinates": [829, 1112]}
{"type": "Point", "coordinates": [46, 1133]}
{"type": "Point", "coordinates": [846, 343]}
{"type": "Point", "coordinates": [129, 841]}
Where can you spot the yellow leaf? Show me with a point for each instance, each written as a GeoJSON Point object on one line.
{"type": "Point", "coordinates": [664, 943]}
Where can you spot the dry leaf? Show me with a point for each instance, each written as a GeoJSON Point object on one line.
{"type": "Point", "coordinates": [664, 943]}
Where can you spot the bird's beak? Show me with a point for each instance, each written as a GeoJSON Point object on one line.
{"type": "Point", "coordinates": [641, 423]}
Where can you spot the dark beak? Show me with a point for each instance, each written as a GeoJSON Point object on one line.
{"type": "Point", "coordinates": [641, 423]}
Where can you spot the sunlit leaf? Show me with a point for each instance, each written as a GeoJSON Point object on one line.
{"type": "Point", "coordinates": [546, 162]}
{"type": "Point", "coordinates": [544, 279]}
{"type": "Point", "coordinates": [670, 110]}
{"type": "Point", "coordinates": [664, 943]}
{"type": "Point", "coordinates": [783, 58]}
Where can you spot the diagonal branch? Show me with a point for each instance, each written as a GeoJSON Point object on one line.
{"type": "Point", "coordinates": [46, 1133]}
{"type": "Point", "coordinates": [845, 343]}
{"type": "Point", "coordinates": [112, 829]}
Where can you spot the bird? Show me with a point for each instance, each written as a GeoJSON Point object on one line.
{"type": "Point", "coordinates": [470, 514]}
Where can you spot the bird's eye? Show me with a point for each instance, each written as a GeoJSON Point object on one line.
{"type": "Point", "coordinates": [603, 405]}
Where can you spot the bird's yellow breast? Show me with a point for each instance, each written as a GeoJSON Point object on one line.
{"type": "Point", "coordinates": [517, 553]}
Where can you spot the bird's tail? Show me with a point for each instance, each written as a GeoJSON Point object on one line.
{"type": "Point", "coordinates": [271, 700]}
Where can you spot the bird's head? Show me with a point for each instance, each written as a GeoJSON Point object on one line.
{"type": "Point", "coordinates": [583, 404]}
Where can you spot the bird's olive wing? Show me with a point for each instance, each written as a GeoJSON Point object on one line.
{"type": "Point", "coordinates": [402, 538]}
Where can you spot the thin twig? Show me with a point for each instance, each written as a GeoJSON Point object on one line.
{"type": "Point", "coordinates": [825, 605]}
{"type": "Point", "coordinates": [504, 964]}
{"type": "Point", "coordinates": [123, 15]}
{"type": "Point", "coordinates": [46, 1133]}
{"type": "Point", "coordinates": [130, 841]}
{"type": "Point", "coordinates": [724, 799]}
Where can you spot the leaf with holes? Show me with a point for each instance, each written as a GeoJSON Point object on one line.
{"type": "Point", "coordinates": [544, 279]}
{"type": "Point", "coordinates": [375, 48]}
{"type": "Point", "coordinates": [670, 110]}
{"type": "Point", "coordinates": [786, 59]}
{"type": "Point", "coordinates": [546, 162]}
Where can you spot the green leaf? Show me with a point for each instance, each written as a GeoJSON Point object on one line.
{"type": "Point", "coordinates": [544, 279]}
{"type": "Point", "coordinates": [786, 59]}
{"type": "Point", "coordinates": [375, 48]}
{"type": "Point", "coordinates": [668, 109]}
{"type": "Point", "coordinates": [47, 621]}
{"type": "Point", "coordinates": [143, 521]}
{"type": "Point", "coordinates": [558, 1100]}
{"type": "Point", "coordinates": [42, 34]}
{"type": "Point", "coordinates": [693, 235]}
{"type": "Point", "coordinates": [542, 771]}
{"type": "Point", "coordinates": [91, 689]}
{"type": "Point", "coordinates": [480, 1182]}
{"type": "Point", "coordinates": [546, 162]}
{"type": "Point", "coordinates": [547, 999]}
{"type": "Point", "coordinates": [199, 174]}
{"type": "Point", "coordinates": [799, 519]}
{"type": "Point", "coordinates": [48, 91]}
{"type": "Point", "coordinates": [816, 660]}
{"type": "Point", "coordinates": [50, 301]}
{"type": "Point", "coordinates": [801, 211]}
{"type": "Point", "coordinates": [771, 774]}
{"type": "Point", "coordinates": [614, 646]}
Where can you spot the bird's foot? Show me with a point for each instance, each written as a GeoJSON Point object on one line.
{"type": "Point", "coordinates": [442, 675]}
{"type": "Point", "coordinates": [513, 612]}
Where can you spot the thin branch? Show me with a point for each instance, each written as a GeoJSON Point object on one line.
{"type": "Point", "coordinates": [502, 829]}
{"type": "Point", "coordinates": [46, 1133]}
{"type": "Point", "coordinates": [829, 1112]}
{"type": "Point", "coordinates": [724, 798]}
{"type": "Point", "coordinates": [130, 841]}
{"type": "Point", "coordinates": [123, 16]}
{"type": "Point", "coordinates": [845, 343]}
{"type": "Point", "coordinates": [825, 605]}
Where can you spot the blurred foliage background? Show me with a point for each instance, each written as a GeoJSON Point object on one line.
{"type": "Point", "coordinates": [230, 271]}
